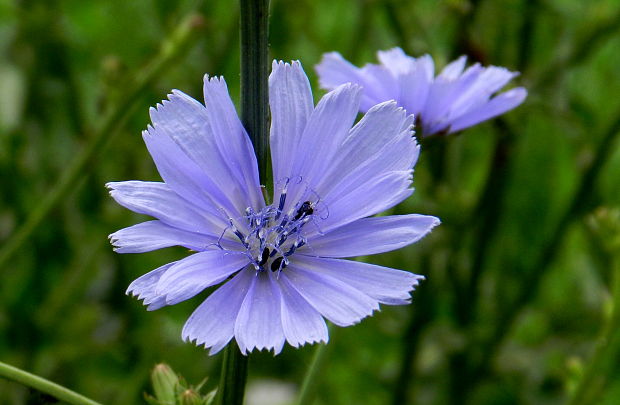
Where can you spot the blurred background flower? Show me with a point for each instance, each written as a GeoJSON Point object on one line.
{"type": "Point", "coordinates": [452, 101]}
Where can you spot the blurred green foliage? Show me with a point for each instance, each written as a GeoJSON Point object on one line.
{"type": "Point", "coordinates": [517, 284]}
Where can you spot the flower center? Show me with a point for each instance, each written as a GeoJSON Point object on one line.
{"type": "Point", "coordinates": [274, 235]}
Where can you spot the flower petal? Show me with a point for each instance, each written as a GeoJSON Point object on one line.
{"type": "Point", "coordinates": [193, 274]}
{"type": "Point", "coordinates": [476, 92]}
{"type": "Point", "coordinates": [159, 201]}
{"type": "Point", "coordinates": [340, 303]}
{"type": "Point", "coordinates": [213, 322]}
{"type": "Point", "coordinates": [496, 106]}
{"type": "Point", "coordinates": [453, 69]}
{"type": "Point", "coordinates": [259, 325]}
{"type": "Point", "coordinates": [369, 236]}
{"type": "Point", "coordinates": [300, 321]}
{"type": "Point", "coordinates": [187, 123]}
{"type": "Point", "coordinates": [144, 288]}
{"type": "Point", "coordinates": [381, 126]}
{"type": "Point", "coordinates": [153, 235]}
{"type": "Point", "coordinates": [290, 99]}
{"type": "Point", "coordinates": [334, 71]}
{"type": "Point", "coordinates": [396, 61]}
{"type": "Point", "coordinates": [326, 129]}
{"type": "Point", "coordinates": [414, 85]}
{"type": "Point", "coordinates": [365, 199]}
{"type": "Point", "coordinates": [386, 285]}
{"type": "Point", "coordinates": [232, 139]}
{"type": "Point", "coordinates": [184, 176]}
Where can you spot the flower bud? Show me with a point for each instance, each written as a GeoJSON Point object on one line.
{"type": "Point", "coordinates": [190, 397]}
{"type": "Point", "coordinates": [164, 383]}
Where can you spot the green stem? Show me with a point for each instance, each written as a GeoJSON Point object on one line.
{"type": "Point", "coordinates": [41, 384]}
{"type": "Point", "coordinates": [171, 49]}
{"type": "Point", "coordinates": [233, 377]}
{"type": "Point", "coordinates": [311, 379]}
{"type": "Point", "coordinates": [254, 28]}
{"type": "Point", "coordinates": [254, 78]}
{"type": "Point", "coordinates": [603, 361]}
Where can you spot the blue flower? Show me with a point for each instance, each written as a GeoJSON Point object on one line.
{"type": "Point", "coordinates": [454, 100]}
{"type": "Point", "coordinates": [279, 266]}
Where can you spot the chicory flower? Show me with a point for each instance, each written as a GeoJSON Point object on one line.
{"type": "Point", "coordinates": [455, 99]}
{"type": "Point", "coordinates": [279, 265]}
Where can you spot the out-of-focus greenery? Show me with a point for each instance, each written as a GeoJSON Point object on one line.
{"type": "Point", "coordinates": [518, 286]}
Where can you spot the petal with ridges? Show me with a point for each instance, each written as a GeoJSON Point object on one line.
{"type": "Point", "coordinates": [157, 200]}
{"type": "Point", "coordinates": [232, 139]}
{"type": "Point", "coordinates": [193, 274]}
{"type": "Point", "coordinates": [386, 285]}
{"type": "Point", "coordinates": [213, 322]}
{"type": "Point", "coordinates": [290, 99]}
{"type": "Point", "coordinates": [186, 122]}
{"type": "Point", "coordinates": [379, 126]}
{"type": "Point", "coordinates": [496, 106]}
{"type": "Point", "coordinates": [153, 235]}
{"type": "Point", "coordinates": [365, 199]}
{"type": "Point", "coordinates": [326, 129]}
{"type": "Point", "coordinates": [144, 288]}
{"type": "Point", "coordinates": [183, 175]}
{"type": "Point", "coordinates": [300, 321]}
{"type": "Point", "coordinates": [368, 236]}
{"type": "Point", "coordinates": [340, 303]}
{"type": "Point", "coordinates": [258, 325]}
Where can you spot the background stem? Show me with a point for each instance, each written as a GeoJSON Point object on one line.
{"type": "Point", "coordinates": [307, 393]}
{"type": "Point", "coordinates": [41, 384]}
{"type": "Point", "coordinates": [170, 51]}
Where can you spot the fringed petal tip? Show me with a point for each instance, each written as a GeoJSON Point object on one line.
{"type": "Point", "coordinates": [114, 241]}
{"type": "Point", "coordinates": [111, 185]}
{"type": "Point", "coordinates": [280, 64]}
{"type": "Point", "coordinates": [152, 303]}
{"type": "Point", "coordinates": [212, 79]}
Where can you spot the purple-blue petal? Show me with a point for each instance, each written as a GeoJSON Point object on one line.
{"type": "Point", "coordinates": [300, 321]}
{"type": "Point", "coordinates": [232, 140]}
{"type": "Point", "coordinates": [373, 235]}
{"type": "Point", "coordinates": [193, 274]}
{"type": "Point", "coordinates": [159, 201]}
{"type": "Point", "coordinates": [385, 285]}
{"type": "Point", "coordinates": [258, 325]}
{"type": "Point", "coordinates": [187, 123]}
{"type": "Point", "coordinates": [337, 301]}
{"type": "Point", "coordinates": [326, 129]}
{"type": "Point", "coordinates": [153, 235]}
{"type": "Point", "coordinates": [290, 99]}
{"type": "Point", "coordinates": [144, 288]}
{"type": "Point", "coordinates": [213, 323]}
{"type": "Point", "coordinates": [496, 106]}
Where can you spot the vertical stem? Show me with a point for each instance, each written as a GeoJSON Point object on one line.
{"type": "Point", "coordinates": [254, 78]}
{"type": "Point", "coordinates": [254, 30]}
{"type": "Point", "coordinates": [233, 376]}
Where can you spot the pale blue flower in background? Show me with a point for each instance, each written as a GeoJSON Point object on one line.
{"type": "Point", "coordinates": [279, 266]}
{"type": "Point", "coordinates": [455, 99]}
